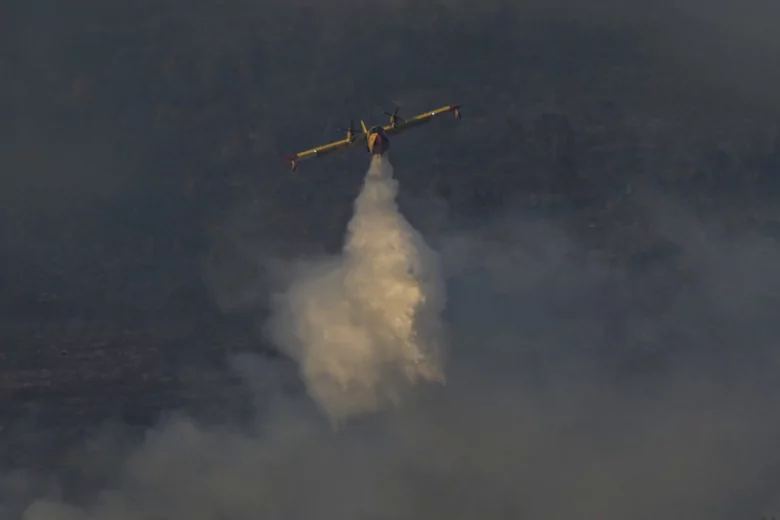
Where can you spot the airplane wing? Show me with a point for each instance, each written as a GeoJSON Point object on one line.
{"type": "Point", "coordinates": [421, 119]}
{"type": "Point", "coordinates": [324, 149]}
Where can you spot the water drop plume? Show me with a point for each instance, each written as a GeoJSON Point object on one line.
{"type": "Point", "coordinates": [365, 326]}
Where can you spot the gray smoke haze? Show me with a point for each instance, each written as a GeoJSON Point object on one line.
{"type": "Point", "coordinates": [577, 385]}
{"type": "Point", "coordinates": [574, 388]}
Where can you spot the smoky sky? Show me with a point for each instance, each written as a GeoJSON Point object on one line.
{"type": "Point", "coordinates": [612, 354]}
{"type": "Point", "coordinates": [137, 96]}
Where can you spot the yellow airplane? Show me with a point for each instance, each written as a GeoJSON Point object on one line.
{"type": "Point", "coordinates": [376, 138]}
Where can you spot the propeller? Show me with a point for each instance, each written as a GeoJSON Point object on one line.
{"type": "Point", "coordinates": [394, 116]}
{"type": "Point", "coordinates": [351, 131]}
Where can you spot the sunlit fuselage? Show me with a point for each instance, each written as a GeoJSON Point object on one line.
{"type": "Point", "coordinates": [378, 143]}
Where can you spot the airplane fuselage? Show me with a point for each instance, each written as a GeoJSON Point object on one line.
{"type": "Point", "coordinates": [377, 142]}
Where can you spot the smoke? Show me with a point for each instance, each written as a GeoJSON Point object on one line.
{"type": "Point", "coordinates": [575, 386]}
{"type": "Point", "coordinates": [365, 324]}
{"type": "Point", "coordinates": [546, 412]}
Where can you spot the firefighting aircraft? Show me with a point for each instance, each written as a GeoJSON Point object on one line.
{"type": "Point", "coordinates": [375, 138]}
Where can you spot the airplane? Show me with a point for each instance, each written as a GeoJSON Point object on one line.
{"type": "Point", "coordinates": [375, 138]}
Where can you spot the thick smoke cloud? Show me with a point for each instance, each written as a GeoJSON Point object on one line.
{"type": "Point", "coordinates": [574, 387]}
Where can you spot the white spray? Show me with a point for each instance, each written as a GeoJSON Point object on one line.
{"type": "Point", "coordinates": [366, 325]}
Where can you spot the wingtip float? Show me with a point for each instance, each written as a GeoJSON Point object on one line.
{"type": "Point", "coordinates": [376, 138]}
